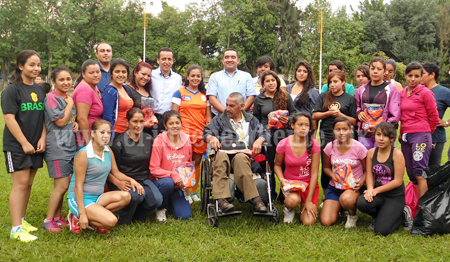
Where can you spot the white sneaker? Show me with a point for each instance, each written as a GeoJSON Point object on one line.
{"type": "Point", "coordinates": [289, 215]}
{"type": "Point", "coordinates": [161, 215]}
{"type": "Point", "coordinates": [351, 221]}
{"type": "Point", "coordinates": [196, 198]}
{"type": "Point", "coordinates": [189, 199]}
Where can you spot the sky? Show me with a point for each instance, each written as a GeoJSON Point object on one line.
{"type": "Point", "coordinates": [180, 4]}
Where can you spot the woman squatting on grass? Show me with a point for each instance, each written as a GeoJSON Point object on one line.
{"type": "Point", "coordinates": [344, 157]}
{"type": "Point", "coordinates": [384, 198]}
{"type": "Point", "coordinates": [90, 207]}
{"type": "Point", "coordinates": [300, 154]}
{"type": "Point", "coordinates": [23, 138]}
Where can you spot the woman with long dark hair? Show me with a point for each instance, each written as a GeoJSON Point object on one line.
{"type": "Point", "coordinates": [139, 86]}
{"type": "Point", "coordinates": [23, 138]}
{"type": "Point", "coordinates": [116, 101]}
{"type": "Point", "coordinates": [303, 92]}
{"type": "Point", "coordinates": [330, 105]}
{"type": "Point", "coordinates": [273, 99]}
{"type": "Point", "coordinates": [300, 153]}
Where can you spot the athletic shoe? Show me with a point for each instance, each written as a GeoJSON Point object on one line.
{"type": "Point", "coordinates": [22, 236]}
{"type": "Point", "coordinates": [351, 221]}
{"type": "Point", "coordinates": [61, 222]}
{"type": "Point", "coordinates": [28, 227]}
{"type": "Point", "coordinates": [99, 229]}
{"type": "Point", "coordinates": [51, 226]}
{"type": "Point", "coordinates": [408, 223]}
{"type": "Point", "coordinates": [74, 225]}
{"type": "Point", "coordinates": [372, 225]}
{"type": "Point", "coordinates": [289, 215]}
{"type": "Point", "coordinates": [196, 197]}
{"type": "Point", "coordinates": [189, 199]}
{"type": "Point", "coordinates": [161, 215]}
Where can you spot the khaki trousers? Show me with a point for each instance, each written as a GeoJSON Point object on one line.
{"type": "Point", "coordinates": [243, 176]}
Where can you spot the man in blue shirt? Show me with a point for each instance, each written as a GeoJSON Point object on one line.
{"type": "Point", "coordinates": [230, 80]}
{"type": "Point", "coordinates": [442, 96]}
{"type": "Point", "coordinates": [103, 52]}
{"type": "Point", "coordinates": [165, 83]}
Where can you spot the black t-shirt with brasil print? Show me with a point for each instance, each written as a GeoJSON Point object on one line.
{"type": "Point", "coordinates": [26, 102]}
{"type": "Point", "coordinates": [346, 104]}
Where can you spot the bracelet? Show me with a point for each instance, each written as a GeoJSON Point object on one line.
{"type": "Point", "coordinates": [446, 123]}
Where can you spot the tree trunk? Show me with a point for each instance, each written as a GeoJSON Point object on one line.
{"type": "Point", "coordinates": [5, 73]}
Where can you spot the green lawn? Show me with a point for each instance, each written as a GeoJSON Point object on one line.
{"type": "Point", "coordinates": [237, 238]}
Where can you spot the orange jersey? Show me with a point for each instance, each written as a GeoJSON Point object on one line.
{"type": "Point", "coordinates": [344, 176]}
{"type": "Point", "coordinates": [192, 110]}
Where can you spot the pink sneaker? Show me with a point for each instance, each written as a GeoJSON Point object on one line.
{"type": "Point", "coordinates": [98, 229]}
{"type": "Point", "coordinates": [61, 222]}
{"type": "Point", "coordinates": [73, 223]}
{"type": "Point", "coordinates": [51, 226]}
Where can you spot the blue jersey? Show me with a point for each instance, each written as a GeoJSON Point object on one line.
{"type": "Point", "coordinates": [97, 172]}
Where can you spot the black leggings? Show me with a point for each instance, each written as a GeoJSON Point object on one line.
{"type": "Point", "coordinates": [387, 210]}
{"type": "Point", "coordinates": [324, 179]}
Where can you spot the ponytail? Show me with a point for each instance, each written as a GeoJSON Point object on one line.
{"type": "Point", "coordinates": [22, 58]}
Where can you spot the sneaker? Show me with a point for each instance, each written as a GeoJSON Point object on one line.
{"type": "Point", "coordinates": [343, 213]}
{"type": "Point", "coordinates": [22, 236]}
{"type": "Point", "coordinates": [51, 226]}
{"type": "Point", "coordinates": [99, 229]}
{"type": "Point", "coordinates": [372, 225]}
{"type": "Point", "coordinates": [73, 223]}
{"type": "Point", "coordinates": [161, 215]}
{"type": "Point", "coordinates": [28, 227]}
{"type": "Point", "coordinates": [189, 199]}
{"type": "Point", "coordinates": [61, 222]}
{"type": "Point", "coordinates": [289, 215]}
{"type": "Point", "coordinates": [351, 221]}
{"type": "Point", "coordinates": [408, 223]}
{"type": "Point", "coordinates": [195, 197]}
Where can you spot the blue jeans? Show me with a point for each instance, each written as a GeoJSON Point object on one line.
{"type": "Point", "coordinates": [140, 206]}
{"type": "Point", "coordinates": [173, 199]}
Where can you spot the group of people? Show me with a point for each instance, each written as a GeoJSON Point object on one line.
{"type": "Point", "coordinates": [117, 142]}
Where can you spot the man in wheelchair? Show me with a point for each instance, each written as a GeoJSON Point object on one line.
{"type": "Point", "coordinates": [228, 130]}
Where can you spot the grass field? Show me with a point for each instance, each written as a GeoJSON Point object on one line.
{"type": "Point", "coordinates": [242, 238]}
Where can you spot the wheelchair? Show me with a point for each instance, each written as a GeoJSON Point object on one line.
{"type": "Point", "coordinates": [210, 206]}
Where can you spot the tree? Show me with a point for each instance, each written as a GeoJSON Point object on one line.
{"type": "Point", "coordinates": [12, 19]}
{"type": "Point", "coordinates": [288, 48]}
{"type": "Point", "coordinates": [443, 35]}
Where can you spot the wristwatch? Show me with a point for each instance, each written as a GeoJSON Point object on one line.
{"type": "Point", "coordinates": [446, 123]}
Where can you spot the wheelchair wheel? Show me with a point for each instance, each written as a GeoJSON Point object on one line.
{"type": "Point", "coordinates": [212, 215]}
{"type": "Point", "coordinates": [206, 183]}
{"type": "Point", "coordinates": [276, 216]}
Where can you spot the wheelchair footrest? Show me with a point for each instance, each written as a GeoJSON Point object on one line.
{"type": "Point", "coordinates": [233, 213]}
{"type": "Point", "coordinates": [265, 214]}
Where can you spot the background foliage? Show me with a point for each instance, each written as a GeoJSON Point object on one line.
{"type": "Point", "coordinates": [65, 32]}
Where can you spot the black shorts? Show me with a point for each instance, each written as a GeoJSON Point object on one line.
{"type": "Point", "coordinates": [16, 161]}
